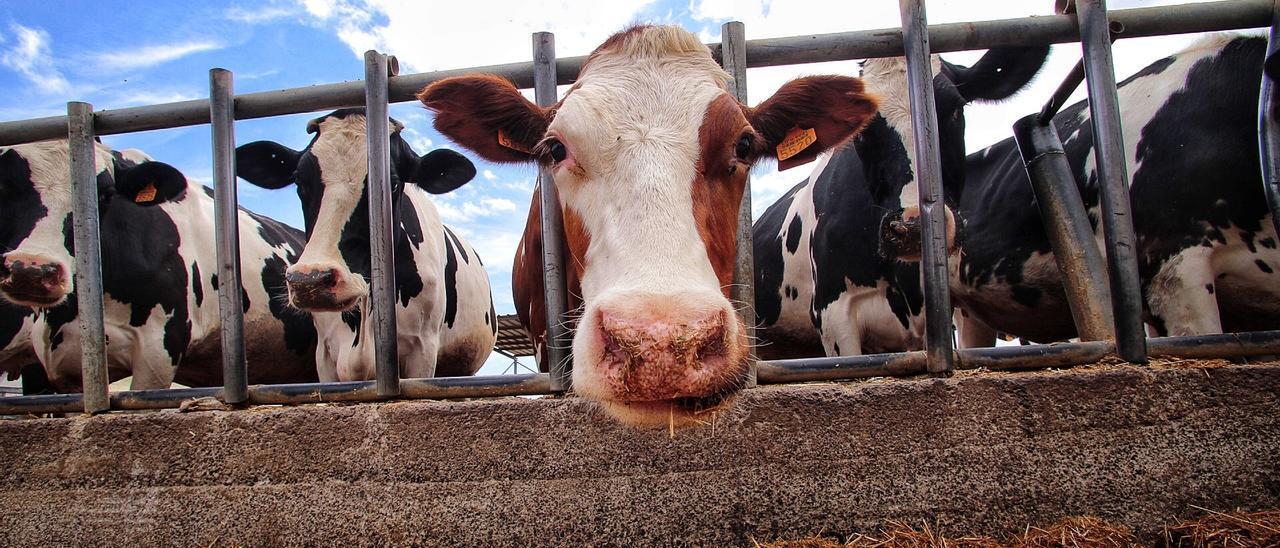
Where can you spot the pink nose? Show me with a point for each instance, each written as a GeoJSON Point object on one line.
{"type": "Point", "coordinates": [313, 288]}
{"type": "Point", "coordinates": [647, 359]}
{"type": "Point", "coordinates": [32, 281]}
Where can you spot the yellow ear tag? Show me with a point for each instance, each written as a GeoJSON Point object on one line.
{"type": "Point", "coordinates": [146, 195]}
{"type": "Point", "coordinates": [795, 142]}
{"type": "Point", "coordinates": [507, 142]}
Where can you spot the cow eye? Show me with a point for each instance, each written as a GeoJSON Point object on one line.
{"type": "Point", "coordinates": [743, 149]}
{"type": "Point", "coordinates": [557, 150]}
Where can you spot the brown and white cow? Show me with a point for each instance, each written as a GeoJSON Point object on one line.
{"type": "Point", "coordinates": [650, 154]}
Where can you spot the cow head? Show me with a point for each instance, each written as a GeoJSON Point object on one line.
{"type": "Point", "coordinates": [330, 176]}
{"type": "Point", "coordinates": [888, 141]}
{"type": "Point", "coordinates": [36, 200]}
{"type": "Point", "coordinates": [650, 155]}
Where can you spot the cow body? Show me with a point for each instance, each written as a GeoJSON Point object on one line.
{"type": "Point", "coordinates": [159, 273]}
{"type": "Point", "coordinates": [445, 324]}
{"type": "Point", "coordinates": [836, 261]}
{"type": "Point", "coordinates": [1207, 253]}
{"type": "Point", "coordinates": [650, 155]}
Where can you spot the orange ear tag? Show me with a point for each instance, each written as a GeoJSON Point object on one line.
{"type": "Point", "coordinates": [507, 142]}
{"type": "Point", "coordinates": [146, 195]}
{"type": "Point", "coordinates": [795, 142]}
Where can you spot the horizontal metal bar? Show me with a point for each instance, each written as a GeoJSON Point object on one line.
{"type": "Point", "coordinates": [1003, 358]}
{"type": "Point", "coordinates": [483, 386]}
{"type": "Point", "coordinates": [814, 48]}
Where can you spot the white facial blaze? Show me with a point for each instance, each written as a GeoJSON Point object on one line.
{"type": "Point", "coordinates": [886, 78]}
{"type": "Point", "coordinates": [341, 150]}
{"type": "Point", "coordinates": [633, 128]}
{"type": "Point", "coordinates": [50, 165]}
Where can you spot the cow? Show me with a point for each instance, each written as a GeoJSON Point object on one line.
{"type": "Point", "coordinates": [17, 357]}
{"type": "Point", "coordinates": [445, 322]}
{"type": "Point", "coordinates": [649, 153]}
{"type": "Point", "coordinates": [836, 258]}
{"type": "Point", "coordinates": [159, 272]}
{"type": "Point", "coordinates": [1206, 243]}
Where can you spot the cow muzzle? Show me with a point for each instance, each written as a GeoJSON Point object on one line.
{"type": "Point", "coordinates": [661, 362]}
{"type": "Point", "coordinates": [322, 288]}
{"type": "Point", "coordinates": [34, 281]}
{"type": "Point", "coordinates": [902, 234]}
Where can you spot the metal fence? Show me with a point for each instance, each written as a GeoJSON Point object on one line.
{"type": "Point", "coordinates": [1092, 26]}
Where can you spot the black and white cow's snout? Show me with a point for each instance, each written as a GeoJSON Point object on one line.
{"type": "Point", "coordinates": [324, 288]}
{"type": "Point", "coordinates": [29, 280]}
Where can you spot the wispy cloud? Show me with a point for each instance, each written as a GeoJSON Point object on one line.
{"type": "Point", "coordinates": [149, 56]}
{"type": "Point", "coordinates": [32, 57]}
{"type": "Point", "coordinates": [488, 206]}
{"type": "Point", "coordinates": [257, 15]}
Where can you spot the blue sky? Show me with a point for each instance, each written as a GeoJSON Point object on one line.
{"type": "Point", "coordinates": [117, 54]}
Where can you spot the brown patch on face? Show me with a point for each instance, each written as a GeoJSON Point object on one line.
{"type": "Point", "coordinates": [527, 287]}
{"type": "Point", "coordinates": [719, 184]}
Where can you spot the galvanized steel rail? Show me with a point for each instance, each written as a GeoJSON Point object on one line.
{"type": "Point", "coordinates": [554, 281]}
{"type": "Point", "coordinates": [380, 88]}
{"type": "Point", "coordinates": [382, 259]}
{"type": "Point", "coordinates": [226, 217]}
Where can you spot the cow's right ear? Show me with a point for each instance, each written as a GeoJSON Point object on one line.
{"type": "Point", "coordinates": [266, 164]}
{"type": "Point", "coordinates": [149, 183]}
{"type": "Point", "coordinates": [443, 170]}
{"type": "Point", "coordinates": [487, 115]}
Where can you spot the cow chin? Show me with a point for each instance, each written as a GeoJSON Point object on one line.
{"type": "Point", "coordinates": [35, 301]}
{"type": "Point", "coordinates": [660, 360]}
{"type": "Point", "coordinates": [901, 234]}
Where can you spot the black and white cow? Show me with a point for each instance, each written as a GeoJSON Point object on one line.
{"type": "Point", "coordinates": [836, 258]}
{"type": "Point", "coordinates": [159, 272]}
{"type": "Point", "coordinates": [16, 352]}
{"type": "Point", "coordinates": [1207, 249]}
{"type": "Point", "coordinates": [444, 309]}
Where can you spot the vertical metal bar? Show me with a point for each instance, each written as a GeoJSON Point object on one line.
{"type": "Point", "coordinates": [733, 57]}
{"type": "Point", "coordinates": [1113, 180]}
{"type": "Point", "coordinates": [226, 216]}
{"type": "Point", "coordinates": [382, 313]}
{"type": "Point", "coordinates": [1067, 225]}
{"type": "Point", "coordinates": [88, 275]}
{"type": "Point", "coordinates": [553, 278]}
{"type": "Point", "coordinates": [933, 226]}
{"type": "Point", "coordinates": [1268, 127]}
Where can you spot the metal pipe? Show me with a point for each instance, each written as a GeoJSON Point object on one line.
{"type": "Point", "coordinates": [1113, 181]}
{"type": "Point", "coordinates": [88, 265]}
{"type": "Point", "coordinates": [554, 286]}
{"type": "Point", "coordinates": [733, 57]}
{"type": "Point", "coordinates": [770, 52]}
{"type": "Point", "coordinates": [382, 274]}
{"type": "Point", "coordinates": [226, 216]}
{"type": "Point", "coordinates": [1269, 127]}
{"type": "Point", "coordinates": [1067, 225]}
{"type": "Point", "coordinates": [1006, 358]}
{"type": "Point", "coordinates": [928, 171]}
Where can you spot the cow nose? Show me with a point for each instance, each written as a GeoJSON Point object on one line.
{"type": "Point", "coordinates": [30, 280]}
{"type": "Point", "coordinates": [646, 359]}
{"type": "Point", "coordinates": [902, 236]}
{"type": "Point", "coordinates": [313, 280]}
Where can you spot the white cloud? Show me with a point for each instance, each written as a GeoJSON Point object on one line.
{"type": "Point", "coordinates": [32, 57]}
{"type": "Point", "coordinates": [149, 56]}
{"type": "Point", "coordinates": [260, 14]}
{"type": "Point", "coordinates": [489, 175]}
{"type": "Point", "coordinates": [469, 210]}
{"type": "Point", "coordinates": [418, 32]}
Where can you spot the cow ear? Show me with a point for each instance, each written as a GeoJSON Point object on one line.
{"type": "Point", "coordinates": [443, 170]}
{"type": "Point", "coordinates": [487, 115]}
{"type": "Point", "coordinates": [266, 164]}
{"type": "Point", "coordinates": [810, 115]}
{"type": "Point", "coordinates": [149, 183]}
{"type": "Point", "coordinates": [1000, 72]}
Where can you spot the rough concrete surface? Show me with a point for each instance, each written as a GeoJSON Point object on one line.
{"type": "Point", "coordinates": [980, 454]}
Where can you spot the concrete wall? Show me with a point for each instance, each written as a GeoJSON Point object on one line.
{"type": "Point", "coordinates": [980, 454]}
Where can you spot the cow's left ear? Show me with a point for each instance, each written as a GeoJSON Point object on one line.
{"type": "Point", "coordinates": [149, 183]}
{"type": "Point", "coordinates": [810, 115]}
{"type": "Point", "coordinates": [443, 170]}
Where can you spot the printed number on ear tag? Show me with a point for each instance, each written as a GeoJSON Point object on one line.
{"type": "Point", "coordinates": [795, 142]}
{"type": "Point", "coordinates": [147, 194]}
